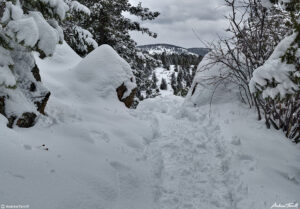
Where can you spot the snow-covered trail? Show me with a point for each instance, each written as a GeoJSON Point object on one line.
{"type": "Point", "coordinates": [200, 162]}
{"type": "Point", "coordinates": [189, 158]}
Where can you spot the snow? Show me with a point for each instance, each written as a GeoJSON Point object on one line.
{"type": "Point", "coordinates": [26, 31]}
{"type": "Point", "coordinates": [76, 6]}
{"type": "Point", "coordinates": [85, 36]}
{"type": "Point", "coordinates": [275, 70]}
{"type": "Point", "coordinates": [203, 90]}
{"type": "Point", "coordinates": [162, 73]}
{"type": "Point", "coordinates": [48, 36]}
{"type": "Point", "coordinates": [11, 11]}
{"type": "Point", "coordinates": [167, 49]}
{"type": "Point", "coordinates": [104, 71]}
{"type": "Point", "coordinates": [92, 152]}
{"type": "Point", "coordinates": [5, 58]}
{"type": "Point", "coordinates": [93, 145]}
{"type": "Point", "coordinates": [59, 6]}
{"type": "Point", "coordinates": [6, 77]}
{"type": "Point", "coordinates": [223, 159]}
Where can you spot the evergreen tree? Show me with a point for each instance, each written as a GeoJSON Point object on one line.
{"type": "Point", "coordinates": [109, 26]}
{"type": "Point", "coordinates": [176, 68]}
{"type": "Point", "coordinates": [180, 76]}
{"type": "Point", "coordinates": [27, 26]}
{"type": "Point", "coordinates": [76, 35]}
{"type": "Point", "coordinates": [154, 80]}
{"type": "Point", "coordinates": [163, 85]}
{"type": "Point", "coordinates": [173, 79]}
{"type": "Point", "coordinates": [174, 83]}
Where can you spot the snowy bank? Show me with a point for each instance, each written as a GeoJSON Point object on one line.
{"type": "Point", "coordinates": [205, 89]}
{"type": "Point", "coordinates": [88, 151]}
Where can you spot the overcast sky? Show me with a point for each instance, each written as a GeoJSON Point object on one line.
{"type": "Point", "coordinates": [179, 18]}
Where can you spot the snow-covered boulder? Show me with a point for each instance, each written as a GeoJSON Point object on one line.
{"type": "Point", "coordinates": [103, 73]}
{"type": "Point", "coordinates": [206, 88]}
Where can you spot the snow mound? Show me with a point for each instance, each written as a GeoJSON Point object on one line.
{"type": "Point", "coordinates": [87, 153]}
{"type": "Point", "coordinates": [275, 70]}
{"type": "Point", "coordinates": [104, 71]}
{"type": "Point", "coordinates": [205, 89]}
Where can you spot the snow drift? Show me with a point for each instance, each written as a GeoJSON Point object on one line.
{"type": "Point", "coordinates": [102, 72]}
{"type": "Point", "coordinates": [205, 89]}
{"type": "Point", "coordinates": [88, 151]}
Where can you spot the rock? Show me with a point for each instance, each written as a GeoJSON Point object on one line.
{"type": "Point", "coordinates": [2, 105]}
{"type": "Point", "coordinates": [36, 73]}
{"type": "Point", "coordinates": [128, 101]}
{"type": "Point", "coordinates": [27, 120]}
{"type": "Point", "coordinates": [11, 121]}
{"type": "Point", "coordinates": [41, 105]}
{"type": "Point", "coordinates": [32, 87]}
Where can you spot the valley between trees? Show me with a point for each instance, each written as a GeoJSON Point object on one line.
{"type": "Point", "coordinates": [89, 119]}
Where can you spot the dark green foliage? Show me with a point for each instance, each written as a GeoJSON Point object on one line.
{"type": "Point", "coordinates": [163, 85]}
{"type": "Point", "coordinates": [185, 65]}
{"type": "Point", "coordinates": [109, 26]}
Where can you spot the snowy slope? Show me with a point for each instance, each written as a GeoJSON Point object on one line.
{"type": "Point", "coordinates": [223, 159]}
{"type": "Point", "coordinates": [94, 146]}
{"type": "Point", "coordinates": [162, 73]}
{"type": "Point", "coordinates": [166, 154]}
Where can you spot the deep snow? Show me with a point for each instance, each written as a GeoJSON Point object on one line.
{"type": "Point", "coordinates": [167, 154]}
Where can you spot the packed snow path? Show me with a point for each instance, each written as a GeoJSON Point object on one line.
{"type": "Point", "coordinates": [190, 160]}
{"type": "Point", "coordinates": [198, 158]}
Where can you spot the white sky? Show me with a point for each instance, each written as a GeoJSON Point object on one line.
{"type": "Point", "coordinates": [179, 18]}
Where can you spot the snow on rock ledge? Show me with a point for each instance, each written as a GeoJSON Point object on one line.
{"type": "Point", "coordinates": [105, 73]}
{"type": "Point", "coordinates": [204, 89]}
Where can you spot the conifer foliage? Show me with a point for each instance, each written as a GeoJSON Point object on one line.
{"type": "Point", "coordinates": [106, 24]}
{"type": "Point", "coordinates": [109, 25]}
{"type": "Point", "coordinates": [26, 26]}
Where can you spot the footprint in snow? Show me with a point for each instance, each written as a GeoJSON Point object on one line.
{"type": "Point", "coordinates": [27, 147]}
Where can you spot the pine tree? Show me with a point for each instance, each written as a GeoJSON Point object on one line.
{"type": "Point", "coordinates": [176, 68]}
{"type": "Point", "coordinates": [26, 26]}
{"type": "Point", "coordinates": [163, 85]}
{"type": "Point", "coordinates": [154, 80]}
{"type": "Point", "coordinates": [109, 26]}
{"type": "Point", "coordinates": [76, 35]}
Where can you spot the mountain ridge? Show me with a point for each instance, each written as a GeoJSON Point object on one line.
{"type": "Point", "coordinates": [170, 48]}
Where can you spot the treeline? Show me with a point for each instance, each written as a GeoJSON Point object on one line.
{"type": "Point", "coordinates": [184, 67]}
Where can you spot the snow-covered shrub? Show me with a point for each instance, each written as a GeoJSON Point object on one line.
{"type": "Point", "coordinates": [266, 79]}
{"type": "Point", "coordinates": [26, 26]}
{"type": "Point", "coordinates": [276, 84]}
{"type": "Point", "coordinates": [254, 32]}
